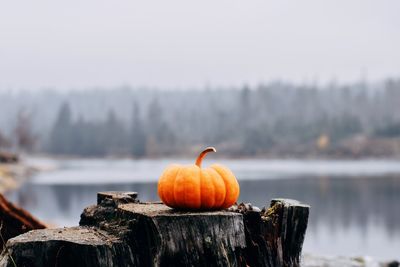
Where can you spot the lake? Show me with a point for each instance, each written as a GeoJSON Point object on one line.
{"type": "Point", "coordinates": [355, 205]}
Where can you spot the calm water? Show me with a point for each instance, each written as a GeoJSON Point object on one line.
{"type": "Point", "coordinates": [355, 205]}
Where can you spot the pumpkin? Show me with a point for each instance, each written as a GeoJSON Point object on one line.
{"type": "Point", "coordinates": [194, 188]}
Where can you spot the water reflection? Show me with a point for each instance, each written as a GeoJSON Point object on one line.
{"type": "Point", "coordinates": [349, 216]}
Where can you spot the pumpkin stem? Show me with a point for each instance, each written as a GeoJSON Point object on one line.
{"type": "Point", "coordinates": [203, 154]}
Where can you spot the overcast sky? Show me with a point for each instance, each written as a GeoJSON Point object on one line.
{"type": "Point", "coordinates": [181, 43]}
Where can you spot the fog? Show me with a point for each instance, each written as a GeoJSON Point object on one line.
{"type": "Point", "coordinates": [180, 44]}
{"type": "Point", "coordinates": [300, 98]}
{"type": "Point", "coordinates": [271, 120]}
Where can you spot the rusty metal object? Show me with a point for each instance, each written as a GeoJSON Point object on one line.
{"type": "Point", "coordinates": [15, 221]}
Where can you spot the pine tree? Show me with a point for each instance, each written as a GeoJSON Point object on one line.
{"type": "Point", "coordinates": [138, 137]}
{"type": "Point", "coordinates": [60, 136]}
{"type": "Point", "coordinates": [25, 139]}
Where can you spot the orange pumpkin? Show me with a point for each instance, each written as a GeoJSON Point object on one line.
{"type": "Point", "coordinates": [191, 187]}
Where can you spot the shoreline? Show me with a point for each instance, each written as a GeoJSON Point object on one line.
{"type": "Point", "coordinates": [13, 175]}
{"type": "Point", "coordinates": [312, 260]}
{"type": "Point", "coordinates": [219, 155]}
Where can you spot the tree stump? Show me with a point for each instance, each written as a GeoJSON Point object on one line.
{"type": "Point", "coordinates": [120, 231]}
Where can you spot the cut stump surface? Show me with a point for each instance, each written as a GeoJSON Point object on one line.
{"type": "Point", "coordinates": [119, 231]}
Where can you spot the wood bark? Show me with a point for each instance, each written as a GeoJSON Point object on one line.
{"type": "Point", "coordinates": [119, 231]}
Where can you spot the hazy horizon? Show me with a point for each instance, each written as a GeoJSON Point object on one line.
{"type": "Point", "coordinates": [177, 44]}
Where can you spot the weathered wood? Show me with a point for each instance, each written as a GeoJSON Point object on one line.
{"type": "Point", "coordinates": [15, 221]}
{"type": "Point", "coordinates": [162, 236]}
{"type": "Point", "coordinates": [151, 234]}
{"type": "Point", "coordinates": [274, 236]}
{"type": "Point", "coordinates": [117, 197]}
{"type": "Point", "coordinates": [284, 230]}
{"type": "Point", "coordinates": [66, 247]}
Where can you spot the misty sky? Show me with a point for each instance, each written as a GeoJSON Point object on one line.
{"type": "Point", "coordinates": [181, 43]}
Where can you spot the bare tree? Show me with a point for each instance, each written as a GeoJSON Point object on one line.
{"type": "Point", "coordinates": [4, 141]}
{"type": "Point", "coordinates": [25, 139]}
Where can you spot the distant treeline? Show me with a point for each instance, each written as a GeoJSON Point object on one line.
{"type": "Point", "coordinates": [276, 118]}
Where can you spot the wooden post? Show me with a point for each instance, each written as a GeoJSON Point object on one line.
{"type": "Point", "coordinates": [284, 230]}
{"type": "Point", "coordinates": [274, 236]}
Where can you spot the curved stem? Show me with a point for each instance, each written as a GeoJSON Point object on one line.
{"type": "Point", "coordinates": [203, 154]}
